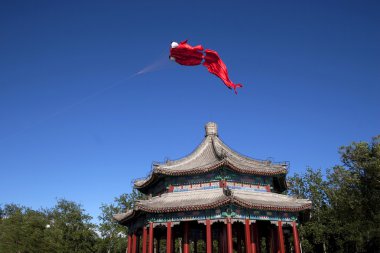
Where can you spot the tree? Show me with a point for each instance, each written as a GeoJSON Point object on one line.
{"type": "Point", "coordinates": [114, 236]}
{"type": "Point", "coordinates": [312, 186]}
{"type": "Point", "coordinates": [22, 229]}
{"type": "Point", "coordinates": [70, 229]}
{"type": "Point", "coordinates": [362, 161]}
{"type": "Point", "coordinates": [346, 203]}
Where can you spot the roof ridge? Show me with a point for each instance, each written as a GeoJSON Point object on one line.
{"type": "Point", "coordinates": [222, 154]}
{"type": "Point", "coordinates": [188, 156]}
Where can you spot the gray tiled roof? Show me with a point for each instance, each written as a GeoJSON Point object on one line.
{"type": "Point", "coordinates": [122, 216]}
{"type": "Point", "coordinates": [271, 199]}
{"type": "Point", "coordinates": [211, 154]}
{"type": "Point", "coordinates": [182, 200]}
{"type": "Point", "coordinates": [212, 198]}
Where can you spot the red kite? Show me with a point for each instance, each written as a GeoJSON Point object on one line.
{"type": "Point", "coordinates": [187, 55]}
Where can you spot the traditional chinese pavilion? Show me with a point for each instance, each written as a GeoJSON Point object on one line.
{"type": "Point", "coordinates": [215, 200]}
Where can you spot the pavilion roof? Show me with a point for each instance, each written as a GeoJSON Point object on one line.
{"type": "Point", "coordinates": [211, 154]}
{"type": "Point", "coordinates": [213, 198]}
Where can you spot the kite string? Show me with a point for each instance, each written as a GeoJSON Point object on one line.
{"type": "Point", "coordinates": [161, 63]}
{"type": "Point", "coordinates": [149, 68]}
{"type": "Point", "coordinates": [67, 108]}
{"type": "Point", "coordinates": [70, 106]}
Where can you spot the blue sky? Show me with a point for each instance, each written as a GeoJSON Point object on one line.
{"type": "Point", "coordinates": [75, 124]}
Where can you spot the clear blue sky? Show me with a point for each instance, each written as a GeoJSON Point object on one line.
{"type": "Point", "coordinates": [74, 124]}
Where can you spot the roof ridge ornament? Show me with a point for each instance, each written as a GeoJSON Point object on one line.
{"type": "Point", "coordinates": [223, 154]}
{"type": "Point", "coordinates": [211, 129]}
{"type": "Point", "coordinates": [227, 191]}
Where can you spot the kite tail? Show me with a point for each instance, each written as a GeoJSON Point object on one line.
{"type": "Point", "coordinates": [237, 86]}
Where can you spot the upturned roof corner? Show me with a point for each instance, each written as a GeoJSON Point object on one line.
{"type": "Point", "coordinates": [211, 154]}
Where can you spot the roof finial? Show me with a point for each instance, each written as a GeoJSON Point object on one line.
{"type": "Point", "coordinates": [211, 129]}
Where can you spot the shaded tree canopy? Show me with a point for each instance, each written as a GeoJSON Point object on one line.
{"type": "Point", "coordinates": [114, 236]}
{"type": "Point", "coordinates": [346, 202]}
{"type": "Point", "coordinates": [63, 228]}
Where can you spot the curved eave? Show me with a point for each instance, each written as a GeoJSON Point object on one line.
{"type": "Point", "coordinates": [121, 218]}
{"type": "Point", "coordinates": [245, 204]}
{"type": "Point", "coordinates": [124, 218]}
{"type": "Point", "coordinates": [225, 162]}
{"type": "Point", "coordinates": [220, 203]}
{"type": "Point", "coordinates": [210, 199]}
{"type": "Point", "coordinates": [141, 184]}
{"type": "Point", "coordinates": [204, 169]}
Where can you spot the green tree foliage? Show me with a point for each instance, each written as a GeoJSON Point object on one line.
{"type": "Point", "coordinates": [22, 230]}
{"type": "Point", "coordinates": [114, 236]}
{"type": "Point", "coordinates": [312, 186]}
{"type": "Point", "coordinates": [64, 228]}
{"type": "Point", "coordinates": [70, 229]}
{"type": "Point", "coordinates": [346, 203]}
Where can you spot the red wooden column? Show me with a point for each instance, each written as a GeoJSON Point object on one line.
{"type": "Point", "coordinates": [247, 236]}
{"type": "Point", "coordinates": [280, 237]}
{"type": "Point", "coordinates": [276, 245]}
{"type": "Point", "coordinates": [134, 244]}
{"type": "Point", "coordinates": [168, 237]}
{"type": "Point", "coordinates": [229, 236]}
{"type": "Point", "coordinates": [129, 246]}
{"type": "Point", "coordinates": [208, 236]}
{"type": "Point", "coordinates": [186, 237]}
{"type": "Point", "coordinates": [151, 238]}
{"type": "Point", "coordinates": [145, 235]}
{"type": "Point", "coordinates": [255, 244]}
{"type": "Point", "coordinates": [296, 239]}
